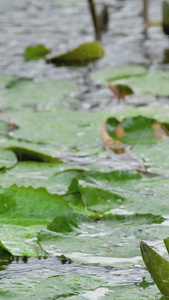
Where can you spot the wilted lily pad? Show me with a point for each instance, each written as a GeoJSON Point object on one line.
{"type": "Point", "coordinates": [36, 52]}
{"type": "Point", "coordinates": [81, 56]}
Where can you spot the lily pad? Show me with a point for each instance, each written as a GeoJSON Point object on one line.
{"type": "Point", "coordinates": [96, 242]}
{"type": "Point", "coordinates": [36, 52]}
{"type": "Point", "coordinates": [75, 287]}
{"type": "Point", "coordinates": [25, 154]}
{"type": "Point", "coordinates": [138, 129]}
{"type": "Point", "coordinates": [81, 56]}
{"type": "Point", "coordinates": [106, 75]}
{"type": "Point", "coordinates": [7, 159]}
{"type": "Point", "coordinates": [117, 191]}
{"type": "Point", "coordinates": [66, 222]}
{"type": "Point", "coordinates": [152, 84]}
{"type": "Point", "coordinates": [29, 203]}
{"type": "Point", "coordinates": [43, 94]}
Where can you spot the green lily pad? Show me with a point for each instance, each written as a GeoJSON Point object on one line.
{"type": "Point", "coordinates": [120, 192]}
{"type": "Point", "coordinates": [56, 178]}
{"type": "Point", "coordinates": [36, 52]}
{"type": "Point", "coordinates": [106, 75]}
{"type": "Point", "coordinates": [24, 154]}
{"type": "Point", "coordinates": [158, 268]}
{"type": "Point", "coordinates": [29, 203]}
{"type": "Point", "coordinates": [81, 56]}
{"type": "Point", "coordinates": [4, 80]}
{"type": "Point", "coordinates": [60, 128]}
{"type": "Point", "coordinates": [7, 159]}
{"type": "Point", "coordinates": [43, 94]}
{"type": "Point", "coordinates": [25, 211]}
{"type": "Point", "coordinates": [75, 287]}
{"type": "Point", "coordinates": [21, 240]}
{"type": "Point", "coordinates": [66, 222]}
{"type": "Point", "coordinates": [152, 84]}
{"type": "Point", "coordinates": [138, 129]}
{"type": "Point", "coordinates": [96, 242]}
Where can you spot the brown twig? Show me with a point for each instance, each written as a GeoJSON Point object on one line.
{"type": "Point", "coordinates": [95, 19]}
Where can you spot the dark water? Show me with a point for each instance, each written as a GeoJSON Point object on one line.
{"type": "Point", "coordinates": [18, 268]}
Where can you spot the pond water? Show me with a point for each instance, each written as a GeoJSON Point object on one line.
{"type": "Point", "coordinates": [63, 25]}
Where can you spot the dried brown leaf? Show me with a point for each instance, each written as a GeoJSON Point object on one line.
{"type": "Point", "coordinates": [159, 131]}
{"type": "Point", "coordinates": [119, 131]}
{"type": "Point", "coordinates": [111, 144]}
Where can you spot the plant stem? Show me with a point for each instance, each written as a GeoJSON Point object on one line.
{"type": "Point", "coordinates": [145, 11]}
{"type": "Point", "coordinates": [95, 19]}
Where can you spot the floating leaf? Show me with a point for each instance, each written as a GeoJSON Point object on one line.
{"type": "Point", "coordinates": [36, 52]}
{"type": "Point", "coordinates": [106, 75]}
{"type": "Point", "coordinates": [151, 84]}
{"type": "Point", "coordinates": [21, 92]}
{"type": "Point", "coordinates": [17, 81]}
{"type": "Point", "coordinates": [29, 203]}
{"type": "Point", "coordinates": [6, 126]}
{"type": "Point", "coordinates": [158, 268]}
{"type": "Point", "coordinates": [66, 222]}
{"type": "Point", "coordinates": [145, 284]}
{"type": "Point", "coordinates": [137, 130]}
{"type": "Point", "coordinates": [81, 56]}
{"type": "Point", "coordinates": [25, 154]}
{"type": "Point", "coordinates": [83, 245]}
{"type": "Point", "coordinates": [7, 159]}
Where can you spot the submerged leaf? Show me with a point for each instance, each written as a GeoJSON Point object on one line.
{"type": "Point", "coordinates": [80, 56]}
{"type": "Point", "coordinates": [36, 52]}
{"type": "Point", "coordinates": [158, 268]}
